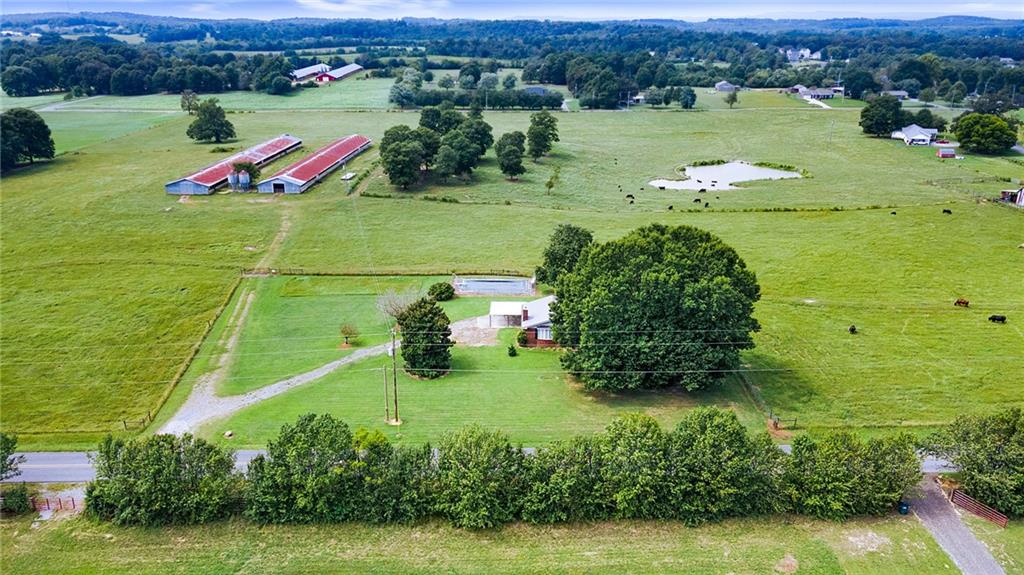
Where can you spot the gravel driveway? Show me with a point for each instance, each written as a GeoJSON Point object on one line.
{"type": "Point", "coordinates": [943, 521]}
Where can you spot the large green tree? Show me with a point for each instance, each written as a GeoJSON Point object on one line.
{"type": "Point", "coordinates": [402, 162]}
{"type": "Point", "coordinates": [564, 249]}
{"type": "Point", "coordinates": [989, 451]}
{"type": "Point", "coordinates": [9, 462]}
{"type": "Point", "coordinates": [881, 116]}
{"type": "Point", "coordinates": [984, 133]}
{"type": "Point", "coordinates": [210, 123]}
{"type": "Point", "coordinates": [466, 153]}
{"type": "Point", "coordinates": [478, 132]}
{"type": "Point", "coordinates": [659, 307]}
{"type": "Point", "coordinates": [446, 164]}
{"type": "Point", "coordinates": [426, 338]}
{"type": "Point", "coordinates": [25, 137]}
{"type": "Point", "coordinates": [542, 133]}
{"type": "Point", "coordinates": [509, 149]}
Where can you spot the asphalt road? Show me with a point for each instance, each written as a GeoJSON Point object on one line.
{"type": "Point", "coordinates": [75, 466]}
{"type": "Point", "coordinates": [938, 516]}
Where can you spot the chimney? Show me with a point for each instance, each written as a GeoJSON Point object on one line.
{"type": "Point", "coordinates": [526, 313]}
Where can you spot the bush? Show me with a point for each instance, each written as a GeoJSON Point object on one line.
{"type": "Point", "coordinates": [634, 468]}
{"type": "Point", "coordinates": [512, 351]}
{"type": "Point", "coordinates": [16, 500]}
{"type": "Point", "coordinates": [521, 338]}
{"type": "Point", "coordinates": [441, 291]}
{"type": "Point", "coordinates": [308, 474]}
{"type": "Point", "coordinates": [395, 481]}
{"type": "Point", "coordinates": [989, 450]}
{"type": "Point", "coordinates": [480, 478]}
{"type": "Point", "coordinates": [162, 480]}
{"type": "Point", "coordinates": [566, 483]}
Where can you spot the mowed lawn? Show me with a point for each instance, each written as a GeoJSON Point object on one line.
{"type": "Point", "coordinates": [893, 545]}
{"type": "Point", "coordinates": [353, 92]}
{"type": "Point", "coordinates": [75, 130]}
{"type": "Point", "coordinates": [1006, 544]}
{"type": "Point", "coordinates": [295, 323]}
{"type": "Point", "coordinates": [8, 102]}
{"type": "Point", "coordinates": [109, 282]}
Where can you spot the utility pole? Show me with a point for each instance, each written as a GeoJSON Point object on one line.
{"type": "Point", "coordinates": [387, 408]}
{"type": "Point", "coordinates": [394, 374]}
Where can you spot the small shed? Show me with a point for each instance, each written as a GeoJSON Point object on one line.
{"type": "Point", "coordinates": [724, 86]}
{"type": "Point", "coordinates": [505, 314]}
{"type": "Point", "coordinates": [946, 153]}
{"type": "Point", "coordinates": [898, 94]}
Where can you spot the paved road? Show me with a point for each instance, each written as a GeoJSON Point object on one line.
{"type": "Point", "coordinates": [938, 516]}
{"type": "Point", "coordinates": [75, 467]}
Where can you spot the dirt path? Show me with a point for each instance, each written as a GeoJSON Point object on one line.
{"type": "Point", "coordinates": [818, 103]}
{"type": "Point", "coordinates": [279, 237]}
{"type": "Point", "coordinates": [943, 521]}
{"type": "Point", "coordinates": [474, 332]}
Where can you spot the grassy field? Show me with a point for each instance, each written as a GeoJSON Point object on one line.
{"type": "Point", "coordinates": [526, 396]}
{"type": "Point", "coordinates": [108, 282]}
{"type": "Point", "coordinates": [892, 545]}
{"type": "Point", "coordinates": [8, 102]}
{"type": "Point", "coordinates": [351, 93]}
{"type": "Point", "coordinates": [76, 130]}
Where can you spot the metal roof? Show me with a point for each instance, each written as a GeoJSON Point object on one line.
{"type": "Point", "coordinates": [257, 154]}
{"type": "Point", "coordinates": [344, 71]}
{"type": "Point", "coordinates": [323, 159]}
{"type": "Point", "coordinates": [538, 312]}
{"type": "Point", "coordinates": [309, 70]}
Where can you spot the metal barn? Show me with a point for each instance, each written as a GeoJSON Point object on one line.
{"type": "Point", "coordinates": [302, 175]}
{"type": "Point", "coordinates": [208, 179]}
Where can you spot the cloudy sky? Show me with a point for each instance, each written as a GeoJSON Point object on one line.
{"type": "Point", "coordinates": [540, 9]}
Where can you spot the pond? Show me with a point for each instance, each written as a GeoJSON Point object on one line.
{"type": "Point", "coordinates": [721, 176]}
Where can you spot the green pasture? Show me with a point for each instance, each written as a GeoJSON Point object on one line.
{"type": "Point", "coordinates": [75, 130]}
{"type": "Point", "coordinates": [8, 102]}
{"type": "Point", "coordinates": [894, 545]}
{"type": "Point", "coordinates": [109, 282]}
{"type": "Point", "coordinates": [351, 93]}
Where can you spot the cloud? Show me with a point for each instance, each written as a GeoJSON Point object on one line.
{"type": "Point", "coordinates": [377, 8]}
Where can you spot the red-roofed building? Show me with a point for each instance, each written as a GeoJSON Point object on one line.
{"type": "Point", "coordinates": [206, 180]}
{"type": "Point", "coordinates": [301, 175]}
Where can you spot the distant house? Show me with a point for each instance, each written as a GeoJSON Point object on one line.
{"type": "Point", "coordinates": [724, 86]}
{"type": "Point", "coordinates": [798, 89]}
{"type": "Point", "coordinates": [914, 135]}
{"type": "Point", "coordinates": [536, 90]}
{"type": "Point", "coordinates": [640, 98]}
{"type": "Point", "coordinates": [536, 322]}
{"type": "Point", "coordinates": [339, 73]}
{"type": "Point", "coordinates": [1008, 62]}
{"type": "Point", "coordinates": [798, 54]}
{"type": "Point", "coordinates": [821, 93]}
{"type": "Point", "coordinates": [946, 153]}
{"type": "Point", "coordinates": [309, 72]}
{"type": "Point", "coordinates": [898, 94]}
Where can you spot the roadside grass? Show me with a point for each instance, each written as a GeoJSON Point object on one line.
{"type": "Point", "coordinates": [1006, 545]}
{"type": "Point", "coordinates": [294, 324]}
{"type": "Point", "coordinates": [893, 545]}
{"type": "Point", "coordinates": [527, 396]}
{"type": "Point", "coordinates": [109, 282]}
{"type": "Point", "coordinates": [354, 92]}
{"type": "Point", "coordinates": [709, 99]}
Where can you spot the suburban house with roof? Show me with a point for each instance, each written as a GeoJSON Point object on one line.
{"type": "Point", "coordinates": [534, 317]}
{"type": "Point", "coordinates": [309, 72]}
{"type": "Point", "coordinates": [914, 135]}
{"type": "Point", "coordinates": [206, 180]}
{"type": "Point", "coordinates": [339, 73]}
{"type": "Point", "coordinates": [724, 86]}
{"type": "Point", "coordinates": [302, 175]}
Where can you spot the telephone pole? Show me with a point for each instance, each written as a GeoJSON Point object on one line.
{"type": "Point", "coordinates": [394, 374]}
{"type": "Point", "coordinates": [387, 408]}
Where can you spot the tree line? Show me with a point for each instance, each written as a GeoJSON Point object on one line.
{"type": "Point", "coordinates": [708, 468]}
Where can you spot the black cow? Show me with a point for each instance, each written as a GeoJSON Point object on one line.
{"type": "Point", "coordinates": [947, 211]}
{"type": "Point", "coordinates": [670, 208]}
{"type": "Point", "coordinates": [630, 196]}
{"type": "Point", "coordinates": [661, 187]}
{"type": "Point", "coordinates": [702, 190]}
{"type": "Point", "coordinates": [696, 200]}
{"type": "Point", "coordinates": [997, 318]}
{"type": "Point", "coordinates": [892, 213]}
{"type": "Point", "coordinates": [707, 205]}
{"type": "Point", "coordinates": [852, 329]}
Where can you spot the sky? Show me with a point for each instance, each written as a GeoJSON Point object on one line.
{"type": "Point", "coordinates": [692, 10]}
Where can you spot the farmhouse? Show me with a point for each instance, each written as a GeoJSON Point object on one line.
{"type": "Point", "coordinates": [914, 135]}
{"type": "Point", "coordinates": [724, 86]}
{"type": "Point", "coordinates": [640, 98]}
{"type": "Point", "coordinates": [339, 73]}
{"type": "Point", "coordinates": [533, 316]}
{"type": "Point", "coordinates": [212, 177]}
{"type": "Point", "coordinates": [946, 153]}
{"type": "Point", "coordinates": [820, 94]}
{"type": "Point", "coordinates": [301, 175]}
{"type": "Point", "coordinates": [898, 94]}
{"type": "Point", "coordinates": [536, 322]}
{"type": "Point", "coordinates": [309, 72]}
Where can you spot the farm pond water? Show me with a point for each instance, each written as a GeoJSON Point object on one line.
{"type": "Point", "coordinates": [721, 176]}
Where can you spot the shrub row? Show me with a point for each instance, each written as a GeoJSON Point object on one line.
{"type": "Point", "coordinates": [706, 469]}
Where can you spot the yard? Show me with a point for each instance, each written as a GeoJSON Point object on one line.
{"type": "Point", "coordinates": [894, 545]}
{"type": "Point", "coordinates": [109, 283]}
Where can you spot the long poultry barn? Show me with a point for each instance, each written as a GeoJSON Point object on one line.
{"type": "Point", "coordinates": [301, 175]}
{"type": "Point", "coordinates": [208, 179]}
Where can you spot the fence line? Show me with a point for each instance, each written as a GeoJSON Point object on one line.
{"type": "Point", "coordinates": [249, 272]}
{"type": "Point", "coordinates": [978, 508]}
{"type": "Point", "coordinates": [56, 503]}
